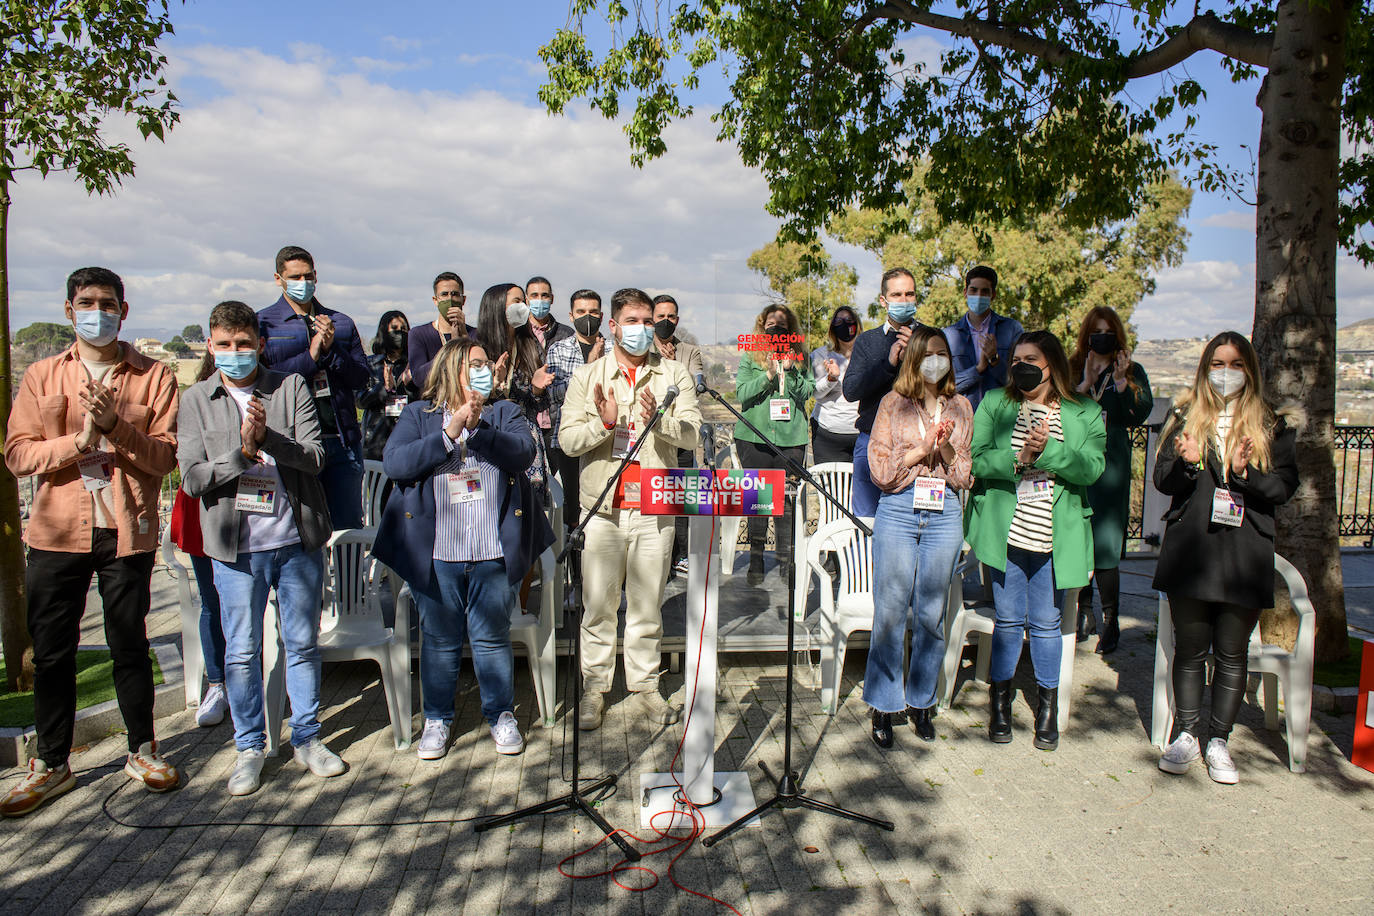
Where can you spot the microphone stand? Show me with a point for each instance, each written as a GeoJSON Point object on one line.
{"type": "Point", "coordinates": [576, 800]}
{"type": "Point", "coordinates": [789, 793]}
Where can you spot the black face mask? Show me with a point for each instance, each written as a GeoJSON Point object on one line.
{"type": "Point", "coordinates": [844, 330]}
{"type": "Point", "coordinates": [587, 325]}
{"type": "Point", "coordinates": [397, 339]}
{"type": "Point", "coordinates": [775, 329]}
{"type": "Point", "coordinates": [664, 329]}
{"type": "Point", "coordinates": [1104, 344]}
{"type": "Point", "coordinates": [1027, 377]}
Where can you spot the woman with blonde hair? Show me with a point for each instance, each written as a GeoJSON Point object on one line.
{"type": "Point", "coordinates": [919, 457]}
{"type": "Point", "coordinates": [1227, 460]}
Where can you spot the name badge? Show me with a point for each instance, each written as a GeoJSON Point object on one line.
{"type": "Point", "coordinates": [96, 469]}
{"type": "Point", "coordinates": [395, 405]}
{"type": "Point", "coordinates": [257, 493]}
{"type": "Point", "coordinates": [1035, 487]}
{"type": "Point", "coordinates": [624, 441]}
{"type": "Point", "coordinates": [319, 385]}
{"type": "Point", "coordinates": [929, 493]}
{"type": "Point", "coordinates": [632, 493]}
{"type": "Point", "coordinates": [1228, 508]}
{"type": "Point", "coordinates": [780, 409]}
{"type": "Point", "coordinates": [465, 486]}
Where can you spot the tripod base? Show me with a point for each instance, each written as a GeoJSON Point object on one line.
{"type": "Point", "coordinates": [573, 801]}
{"type": "Point", "coordinates": [657, 791]}
{"type": "Point", "coordinates": [792, 795]}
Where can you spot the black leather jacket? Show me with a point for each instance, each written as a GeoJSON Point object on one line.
{"type": "Point", "coordinates": [373, 400]}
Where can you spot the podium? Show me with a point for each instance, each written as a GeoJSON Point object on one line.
{"type": "Point", "coordinates": [702, 495]}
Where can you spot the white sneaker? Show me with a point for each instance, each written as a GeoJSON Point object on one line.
{"type": "Point", "coordinates": [213, 706]}
{"type": "Point", "coordinates": [1179, 755]}
{"type": "Point", "coordinates": [1220, 766]}
{"type": "Point", "coordinates": [681, 567]}
{"type": "Point", "coordinates": [434, 741]}
{"type": "Point", "coordinates": [506, 734]}
{"type": "Point", "coordinates": [320, 759]}
{"type": "Point", "coordinates": [247, 772]}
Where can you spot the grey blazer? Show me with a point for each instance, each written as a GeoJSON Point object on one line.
{"type": "Point", "coordinates": [210, 452]}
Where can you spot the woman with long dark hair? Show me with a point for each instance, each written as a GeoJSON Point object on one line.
{"type": "Point", "coordinates": [503, 308]}
{"type": "Point", "coordinates": [391, 388]}
{"type": "Point", "coordinates": [833, 432]}
{"type": "Point", "coordinates": [1104, 371]}
{"type": "Point", "coordinates": [1227, 460]}
{"type": "Point", "coordinates": [1037, 447]}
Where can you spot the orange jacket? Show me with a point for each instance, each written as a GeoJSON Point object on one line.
{"type": "Point", "coordinates": [41, 440]}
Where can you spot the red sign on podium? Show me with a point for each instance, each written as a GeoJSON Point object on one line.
{"type": "Point", "coordinates": [1363, 753]}
{"type": "Point", "coordinates": [696, 491]}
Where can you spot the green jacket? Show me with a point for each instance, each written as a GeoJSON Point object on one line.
{"type": "Point", "coordinates": [755, 389]}
{"type": "Point", "coordinates": [1076, 462]}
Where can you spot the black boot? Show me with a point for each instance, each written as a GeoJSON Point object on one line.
{"type": "Point", "coordinates": [1087, 623]}
{"type": "Point", "coordinates": [921, 721]}
{"type": "Point", "coordinates": [755, 576]}
{"type": "Point", "coordinates": [1111, 632]}
{"type": "Point", "coordinates": [882, 729]}
{"type": "Point", "coordinates": [999, 718]}
{"type": "Point", "coordinates": [1109, 587]}
{"type": "Point", "coordinates": [1046, 718]}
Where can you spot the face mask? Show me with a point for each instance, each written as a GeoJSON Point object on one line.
{"type": "Point", "coordinates": [634, 339]}
{"type": "Point", "coordinates": [587, 325]}
{"type": "Point", "coordinates": [479, 380]}
{"type": "Point", "coordinates": [1027, 377]}
{"type": "Point", "coordinates": [300, 291]}
{"type": "Point", "coordinates": [978, 304]}
{"type": "Point", "coordinates": [96, 326]}
{"type": "Point", "coordinates": [1227, 382]}
{"type": "Point", "coordinates": [775, 329]}
{"type": "Point", "coordinates": [901, 312]}
{"type": "Point", "coordinates": [665, 329]}
{"type": "Point", "coordinates": [446, 304]}
{"type": "Point", "coordinates": [398, 339]}
{"type": "Point", "coordinates": [539, 308]}
{"type": "Point", "coordinates": [517, 314]}
{"type": "Point", "coordinates": [1103, 344]}
{"type": "Point", "coordinates": [843, 330]}
{"type": "Point", "coordinates": [237, 364]}
{"type": "Point", "coordinates": [933, 368]}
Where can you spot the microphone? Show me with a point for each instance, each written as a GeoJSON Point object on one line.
{"type": "Point", "coordinates": [708, 442]}
{"type": "Point", "coordinates": [668, 398]}
{"type": "Point", "coordinates": [701, 383]}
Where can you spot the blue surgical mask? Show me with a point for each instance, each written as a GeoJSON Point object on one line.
{"type": "Point", "coordinates": [96, 326]}
{"type": "Point", "coordinates": [978, 304]}
{"type": "Point", "coordinates": [635, 338]}
{"type": "Point", "coordinates": [479, 380]}
{"type": "Point", "coordinates": [237, 364]}
{"type": "Point", "coordinates": [901, 312]}
{"type": "Point", "coordinates": [300, 291]}
{"type": "Point", "coordinates": [539, 308]}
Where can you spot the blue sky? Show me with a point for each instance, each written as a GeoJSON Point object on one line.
{"type": "Point", "coordinates": [396, 140]}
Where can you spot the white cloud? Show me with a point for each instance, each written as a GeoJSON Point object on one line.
{"type": "Point", "coordinates": [387, 187]}
{"type": "Point", "coordinates": [396, 43]}
{"type": "Point", "coordinates": [1232, 219]}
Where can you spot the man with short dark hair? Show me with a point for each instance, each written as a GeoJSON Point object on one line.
{"type": "Point", "coordinates": [96, 426]}
{"type": "Point", "coordinates": [585, 345]}
{"type": "Point", "coordinates": [251, 452]}
{"type": "Point", "coordinates": [980, 342]}
{"type": "Point", "coordinates": [322, 346]}
{"type": "Point", "coordinates": [426, 339]}
{"type": "Point", "coordinates": [546, 330]}
{"type": "Point", "coordinates": [669, 346]}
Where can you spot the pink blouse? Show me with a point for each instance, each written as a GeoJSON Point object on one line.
{"type": "Point", "coordinates": [898, 428]}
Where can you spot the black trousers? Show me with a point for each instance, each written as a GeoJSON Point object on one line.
{"type": "Point", "coordinates": [756, 456]}
{"type": "Point", "coordinates": [57, 584]}
{"type": "Point", "coordinates": [1108, 582]}
{"type": "Point", "coordinates": [1224, 630]}
{"type": "Point", "coordinates": [827, 446]}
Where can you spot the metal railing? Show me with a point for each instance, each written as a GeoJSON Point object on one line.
{"type": "Point", "coordinates": [1355, 481]}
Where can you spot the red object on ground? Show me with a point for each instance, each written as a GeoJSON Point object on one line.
{"type": "Point", "coordinates": [1363, 753]}
{"type": "Point", "coordinates": [186, 524]}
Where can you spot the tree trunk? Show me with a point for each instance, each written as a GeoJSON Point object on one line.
{"type": "Point", "coordinates": [1295, 293]}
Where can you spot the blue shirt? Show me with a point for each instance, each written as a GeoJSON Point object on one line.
{"type": "Point", "coordinates": [345, 364]}
{"type": "Point", "coordinates": [963, 355]}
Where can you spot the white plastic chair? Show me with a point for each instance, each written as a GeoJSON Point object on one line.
{"type": "Point", "coordinates": [853, 609]}
{"type": "Point", "coordinates": [374, 482]}
{"type": "Point", "coordinates": [192, 659]}
{"type": "Point", "coordinates": [729, 525]}
{"type": "Point", "coordinates": [838, 478]}
{"type": "Point", "coordinates": [534, 628]}
{"type": "Point", "coordinates": [1293, 670]}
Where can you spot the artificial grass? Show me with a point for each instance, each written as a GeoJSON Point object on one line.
{"type": "Point", "coordinates": [94, 685]}
{"type": "Point", "coordinates": [1344, 673]}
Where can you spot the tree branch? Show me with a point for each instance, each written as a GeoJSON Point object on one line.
{"type": "Point", "coordinates": [1204, 32]}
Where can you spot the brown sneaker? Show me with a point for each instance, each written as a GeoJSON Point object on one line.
{"type": "Point", "coordinates": [148, 768]}
{"type": "Point", "coordinates": [40, 785]}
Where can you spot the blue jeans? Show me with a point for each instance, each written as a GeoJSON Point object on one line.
{"type": "Point", "coordinates": [1025, 596]}
{"type": "Point", "coordinates": [211, 631]}
{"type": "Point", "coordinates": [914, 552]}
{"type": "Point", "coordinates": [342, 479]}
{"type": "Point", "coordinates": [864, 498]}
{"type": "Point", "coordinates": [475, 606]}
{"type": "Point", "coordinates": [298, 578]}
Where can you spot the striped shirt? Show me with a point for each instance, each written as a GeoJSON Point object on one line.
{"type": "Point", "coordinates": [465, 532]}
{"type": "Point", "coordinates": [1032, 525]}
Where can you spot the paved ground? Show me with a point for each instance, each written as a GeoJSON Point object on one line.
{"type": "Point", "coordinates": [1091, 828]}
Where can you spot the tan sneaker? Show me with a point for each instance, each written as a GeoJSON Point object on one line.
{"type": "Point", "coordinates": [649, 706]}
{"type": "Point", "coordinates": [40, 785]}
{"type": "Point", "coordinates": [593, 705]}
{"type": "Point", "coordinates": [156, 774]}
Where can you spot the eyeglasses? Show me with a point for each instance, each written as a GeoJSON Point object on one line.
{"type": "Point", "coordinates": [478, 363]}
{"type": "Point", "coordinates": [453, 297]}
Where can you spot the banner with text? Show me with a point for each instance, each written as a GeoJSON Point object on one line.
{"type": "Point", "coordinates": [691, 491]}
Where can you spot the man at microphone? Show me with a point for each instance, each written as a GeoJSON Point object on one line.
{"type": "Point", "coordinates": [610, 402]}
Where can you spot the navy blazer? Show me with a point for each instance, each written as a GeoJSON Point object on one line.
{"type": "Point", "coordinates": [405, 538]}
{"type": "Point", "coordinates": [971, 383]}
{"type": "Point", "coordinates": [345, 363]}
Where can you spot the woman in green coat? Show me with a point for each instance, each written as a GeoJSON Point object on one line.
{"type": "Point", "coordinates": [1102, 364]}
{"type": "Point", "coordinates": [773, 385]}
{"type": "Point", "coordinates": [1037, 447]}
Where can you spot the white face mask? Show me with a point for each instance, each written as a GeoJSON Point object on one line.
{"type": "Point", "coordinates": [1226, 382]}
{"type": "Point", "coordinates": [933, 368]}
